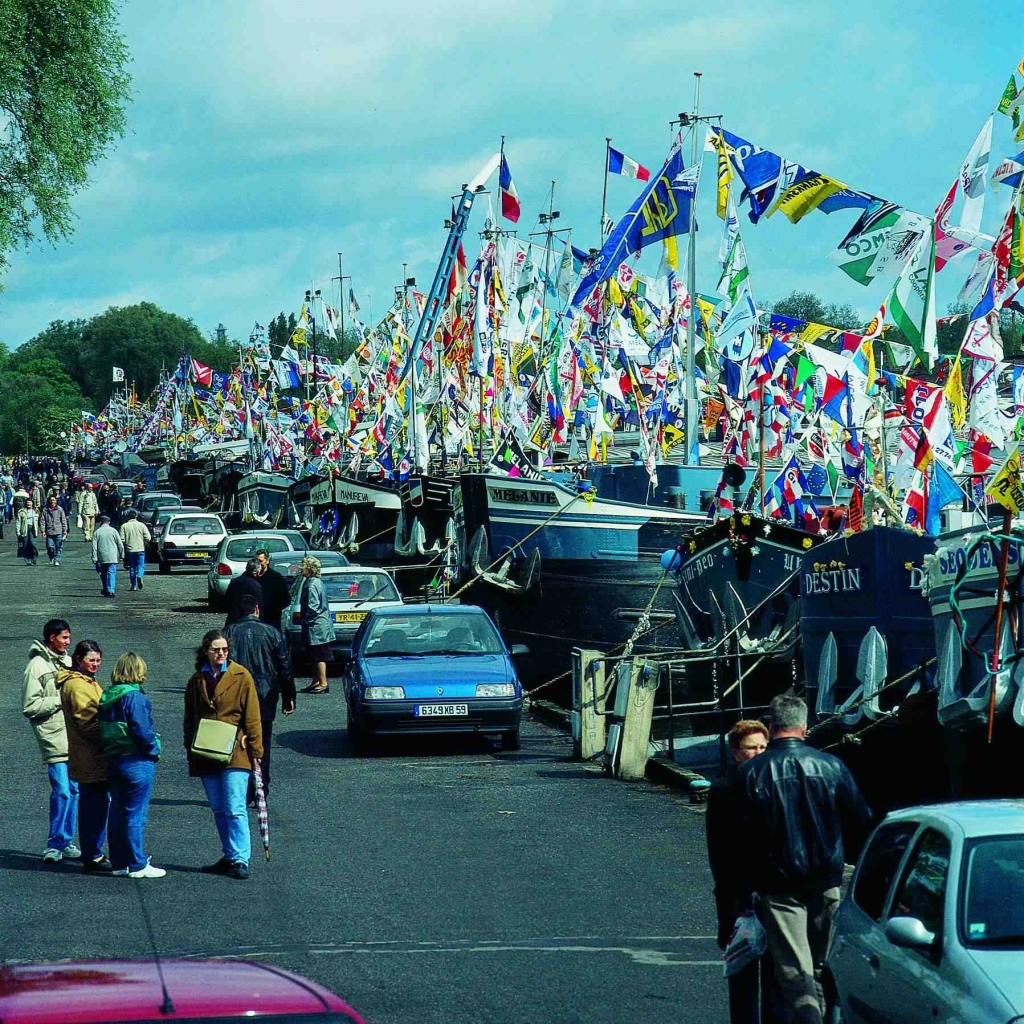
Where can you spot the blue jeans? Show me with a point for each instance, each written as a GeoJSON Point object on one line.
{"type": "Point", "coordinates": [63, 806]}
{"type": "Point", "coordinates": [108, 577]}
{"type": "Point", "coordinates": [131, 785]}
{"type": "Point", "coordinates": [54, 548]}
{"type": "Point", "coordinates": [136, 566]}
{"type": "Point", "coordinates": [226, 792]}
{"type": "Point", "coordinates": [93, 807]}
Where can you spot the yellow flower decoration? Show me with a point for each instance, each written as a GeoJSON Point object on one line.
{"type": "Point", "coordinates": [807, 542]}
{"type": "Point", "coordinates": [746, 520]}
{"type": "Point", "coordinates": [693, 546]}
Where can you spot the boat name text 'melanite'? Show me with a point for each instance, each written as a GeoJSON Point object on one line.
{"type": "Point", "coordinates": [831, 581]}
{"type": "Point", "coordinates": [518, 497]}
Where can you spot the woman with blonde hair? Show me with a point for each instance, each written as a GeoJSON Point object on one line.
{"type": "Point", "coordinates": [223, 690]}
{"type": "Point", "coordinates": [317, 624]}
{"type": "Point", "coordinates": [132, 748]}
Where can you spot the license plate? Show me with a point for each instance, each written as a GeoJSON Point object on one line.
{"type": "Point", "coordinates": [197, 554]}
{"type": "Point", "coordinates": [440, 710]}
{"type": "Point", "coordinates": [349, 616]}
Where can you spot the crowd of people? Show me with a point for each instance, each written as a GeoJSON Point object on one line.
{"type": "Point", "coordinates": [100, 746]}
{"type": "Point", "coordinates": [780, 827]}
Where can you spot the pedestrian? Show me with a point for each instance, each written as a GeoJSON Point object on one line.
{"type": "Point", "coordinates": [8, 502]}
{"type": "Point", "coordinates": [224, 691]}
{"type": "Point", "coordinates": [246, 584]}
{"type": "Point", "coordinates": [37, 492]}
{"type": "Point", "coordinates": [260, 648]}
{"type": "Point", "coordinates": [803, 812]}
{"type": "Point", "coordinates": [754, 996]}
{"type": "Point", "coordinates": [88, 509]}
{"type": "Point", "coordinates": [55, 529]}
{"type": "Point", "coordinates": [41, 705]}
{"type": "Point", "coordinates": [317, 624]}
{"type": "Point", "coordinates": [133, 749]}
{"type": "Point", "coordinates": [87, 764]}
{"type": "Point", "coordinates": [276, 596]}
{"type": "Point", "coordinates": [107, 551]}
{"type": "Point", "coordinates": [27, 529]}
{"type": "Point", "coordinates": [135, 535]}
{"type": "Point", "coordinates": [19, 498]}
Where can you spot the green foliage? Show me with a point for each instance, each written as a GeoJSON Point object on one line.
{"type": "Point", "coordinates": [63, 89]}
{"type": "Point", "coordinates": [38, 401]}
{"type": "Point", "coordinates": [807, 306]}
{"type": "Point", "coordinates": [141, 339]}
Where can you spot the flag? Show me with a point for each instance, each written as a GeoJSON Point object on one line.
{"type": "Point", "coordinates": [1009, 95]}
{"type": "Point", "coordinates": [807, 193]}
{"type": "Point", "coordinates": [913, 301]}
{"type": "Point", "coordinates": [856, 253]}
{"type": "Point", "coordinates": [353, 306]}
{"type": "Point", "coordinates": [202, 375]}
{"type": "Point", "coordinates": [973, 174]}
{"type": "Point", "coordinates": [1006, 485]}
{"type": "Point", "coordinates": [943, 490]}
{"type": "Point", "coordinates": [954, 391]}
{"type": "Point", "coordinates": [661, 211]}
{"type": "Point", "coordinates": [724, 174]}
{"type": "Point", "coordinates": [118, 374]}
{"type": "Point", "coordinates": [619, 163]}
{"type": "Point", "coordinates": [509, 195]}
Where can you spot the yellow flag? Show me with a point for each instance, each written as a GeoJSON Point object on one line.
{"type": "Point", "coordinates": [954, 391]}
{"type": "Point", "coordinates": [671, 251]}
{"type": "Point", "coordinates": [800, 198]}
{"type": "Point", "coordinates": [1019, 136]}
{"type": "Point", "coordinates": [812, 332]}
{"type": "Point", "coordinates": [868, 348]}
{"type": "Point", "coordinates": [1005, 486]}
{"type": "Point", "coordinates": [615, 292]}
{"type": "Point", "coordinates": [724, 174]}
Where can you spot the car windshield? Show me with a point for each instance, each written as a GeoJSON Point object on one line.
{"type": "Point", "coordinates": [432, 634]}
{"type": "Point", "coordinates": [993, 900]}
{"type": "Point", "coordinates": [194, 524]}
{"type": "Point", "coordinates": [158, 501]}
{"type": "Point", "coordinates": [241, 549]}
{"type": "Point", "coordinates": [360, 586]}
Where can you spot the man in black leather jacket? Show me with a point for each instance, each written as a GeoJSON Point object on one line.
{"type": "Point", "coordinates": [264, 652]}
{"type": "Point", "coordinates": [804, 813]}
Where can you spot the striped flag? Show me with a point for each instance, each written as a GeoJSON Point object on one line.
{"type": "Point", "coordinates": [619, 163]}
{"type": "Point", "coordinates": [509, 195]}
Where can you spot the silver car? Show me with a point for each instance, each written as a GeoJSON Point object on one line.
{"type": "Point", "coordinates": [235, 551]}
{"type": "Point", "coordinates": [932, 926]}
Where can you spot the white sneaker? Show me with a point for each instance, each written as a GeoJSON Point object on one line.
{"type": "Point", "coordinates": [52, 856]}
{"type": "Point", "coordinates": [72, 852]}
{"type": "Point", "coordinates": [148, 872]}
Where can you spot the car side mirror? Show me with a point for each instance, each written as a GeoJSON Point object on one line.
{"type": "Point", "coordinates": [520, 649]}
{"type": "Point", "coordinates": [909, 933]}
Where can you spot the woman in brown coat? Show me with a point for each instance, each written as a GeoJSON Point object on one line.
{"type": "Point", "coordinates": [87, 764]}
{"type": "Point", "coordinates": [223, 690]}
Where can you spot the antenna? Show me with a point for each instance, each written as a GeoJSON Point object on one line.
{"type": "Point", "coordinates": [168, 1005]}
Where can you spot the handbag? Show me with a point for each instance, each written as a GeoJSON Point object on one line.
{"type": "Point", "coordinates": [214, 740]}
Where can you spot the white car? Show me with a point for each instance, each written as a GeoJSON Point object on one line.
{"type": "Point", "coordinates": [352, 592]}
{"type": "Point", "coordinates": [190, 538]}
{"type": "Point", "coordinates": [931, 930]}
{"type": "Point", "coordinates": [235, 551]}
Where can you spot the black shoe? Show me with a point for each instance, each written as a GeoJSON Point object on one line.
{"type": "Point", "coordinates": [99, 867]}
{"type": "Point", "coordinates": [238, 870]}
{"type": "Point", "coordinates": [139, 584]}
{"type": "Point", "coordinates": [222, 867]}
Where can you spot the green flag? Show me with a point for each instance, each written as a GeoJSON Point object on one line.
{"type": "Point", "coordinates": [913, 300]}
{"type": "Point", "coordinates": [833, 477]}
{"type": "Point", "coordinates": [1009, 95]}
{"type": "Point", "coordinates": [804, 371]}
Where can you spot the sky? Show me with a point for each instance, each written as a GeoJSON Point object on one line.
{"type": "Point", "coordinates": [265, 136]}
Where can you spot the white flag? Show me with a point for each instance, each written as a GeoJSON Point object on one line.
{"type": "Point", "coordinates": [118, 375]}
{"type": "Point", "coordinates": [972, 178]}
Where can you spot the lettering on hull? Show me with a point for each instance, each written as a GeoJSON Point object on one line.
{"type": "Point", "coordinates": [518, 496]}
{"type": "Point", "coordinates": [832, 581]}
{"type": "Point", "coordinates": [699, 566]}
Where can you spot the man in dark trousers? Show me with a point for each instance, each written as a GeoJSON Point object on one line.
{"type": "Point", "coordinates": [803, 812]}
{"type": "Point", "coordinates": [248, 584]}
{"type": "Point", "coordinates": [275, 591]}
{"type": "Point", "coordinates": [264, 652]}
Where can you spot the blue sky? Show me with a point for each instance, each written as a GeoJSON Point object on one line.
{"type": "Point", "coordinates": [267, 135]}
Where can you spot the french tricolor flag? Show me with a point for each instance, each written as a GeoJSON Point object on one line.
{"type": "Point", "coordinates": [619, 163]}
{"type": "Point", "coordinates": [509, 195]}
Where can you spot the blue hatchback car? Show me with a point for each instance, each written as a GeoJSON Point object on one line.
{"type": "Point", "coordinates": [432, 668]}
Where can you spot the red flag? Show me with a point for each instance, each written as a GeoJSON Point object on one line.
{"type": "Point", "coordinates": [980, 460]}
{"type": "Point", "coordinates": [202, 374]}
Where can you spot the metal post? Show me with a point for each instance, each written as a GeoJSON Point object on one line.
{"type": "Point", "coordinates": [604, 194]}
{"type": "Point", "coordinates": [1004, 561]}
{"type": "Point", "coordinates": [691, 286]}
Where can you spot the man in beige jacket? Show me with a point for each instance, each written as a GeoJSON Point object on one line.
{"type": "Point", "coordinates": [41, 705]}
{"type": "Point", "coordinates": [88, 509]}
{"type": "Point", "coordinates": [136, 536]}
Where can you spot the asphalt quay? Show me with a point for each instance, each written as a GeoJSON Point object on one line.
{"type": "Point", "coordinates": [440, 880]}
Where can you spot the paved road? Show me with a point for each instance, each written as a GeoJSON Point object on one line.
{"type": "Point", "coordinates": [433, 883]}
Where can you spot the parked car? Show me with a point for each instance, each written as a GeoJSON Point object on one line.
{"type": "Point", "coordinates": [432, 668]}
{"type": "Point", "coordinates": [352, 593]}
{"type": "Point", "coordinates": [90, 991]}
{"type": "Point", "coordinates": [238, 548]}
{"type": "Point", "coordinates": [189, 538]}
{"type": "Point", "coordinates": [157, 521]}
{"type": "Point", "coordinates": [288, 563]}
{"type": "Point", "coordinates": [149, 500]}
{"type": "Point", "coordinates": [125, 488]}
{"type": "Point", "coordinates": [932, 926]}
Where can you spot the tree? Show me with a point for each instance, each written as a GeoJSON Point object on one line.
{"type": "Point", "coordinates": [807, 306]}
{"type": "Point", "coordinates": [63, 89]}
{"type": "Point", "coordinates": [38, 403]}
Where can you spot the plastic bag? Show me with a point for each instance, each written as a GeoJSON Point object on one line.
{"type": "Point", "coordinates": [747, 942]}
{"type": "Point", "coordinates": [81, 522]}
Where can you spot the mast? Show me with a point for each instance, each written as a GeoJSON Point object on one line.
{"type": "Point", "coordinates": [690, 402]}
{"type": "Point", "coordinates": [604, 194]}
{"type": "Point", "coordinates": [546, 219]}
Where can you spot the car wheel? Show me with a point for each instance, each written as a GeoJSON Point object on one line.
{"type": "Point", "coordinates": [165, 569]}
{"type": "Point", "coordinates": [510, 740]}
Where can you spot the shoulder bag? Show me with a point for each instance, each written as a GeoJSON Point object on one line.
{"type": "Point", "coordinates": [214, 740]}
